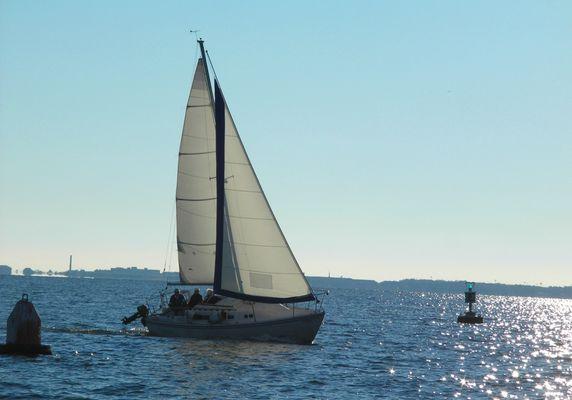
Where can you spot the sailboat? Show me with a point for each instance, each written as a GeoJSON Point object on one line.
{"type": "Point", "coordinates": [228, 237]}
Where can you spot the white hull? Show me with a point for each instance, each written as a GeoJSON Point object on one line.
{"type": "Point", "coordinates": [249, 321]}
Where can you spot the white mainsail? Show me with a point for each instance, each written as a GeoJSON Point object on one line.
{"type": "Point", "coordinates": [196, 185]}
{"type": "Point", "coordinates": [257, 262]}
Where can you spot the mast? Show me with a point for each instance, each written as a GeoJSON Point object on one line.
{"type": "Point", "coordinates": [201, 43]}
{"type": "Point", "coordinates": [218, 102]}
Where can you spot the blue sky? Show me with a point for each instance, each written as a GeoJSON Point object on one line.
{"type": "Point", "coordinates": [393, 139]}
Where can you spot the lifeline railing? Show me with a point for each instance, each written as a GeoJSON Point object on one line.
{"type": "Point", "coordinates": [317, 303]}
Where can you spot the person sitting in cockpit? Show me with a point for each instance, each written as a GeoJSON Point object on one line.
{"type": "Point", "coordinates": [211, 298]}
{"type": "Point", "coordinates": [177, 301]}
{"type": "Point", "coordinates": [208, 296]}
{"type": "Point", "coordinates": [196, 298]}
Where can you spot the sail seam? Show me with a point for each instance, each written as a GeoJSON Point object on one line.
{"type": "Point", "coordinates": [243, 190]}
{"type": "Point", "coordinates": [197, 137]}
{"type": "Point", "coordinates": [207, 199]}
{"type": "Point", "coordinates": [255, 218]}
{"type": "Point", "coordinates": [266, 272]}
{"type": "Point", "coordinates": [195, 214]}
{"type": "Point", "coordinates": [196, 154]}
{"type": "Point", "coordinates": [194, 176]}
{"type": "Point", "coordinates": [196, 244]}
{"type": "Point", "coordinates": [199, 105]}
{"type": "Point", "coordinates": [236, 163]}
{"type": "Point", "coordinates": [206, 253]}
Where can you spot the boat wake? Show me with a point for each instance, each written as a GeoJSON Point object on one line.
{"type": "Point", "coordinates": [96, 331]}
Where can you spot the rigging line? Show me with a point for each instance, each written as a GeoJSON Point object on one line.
{"type": "Point", "coordinates": [212, 67]}
{"type": "Point", "coordinates": [169, 236]}
{"type": "Point", "coordinates": [173, 242]}
{"type": "Point", "coordinates": [225, 179]}
{"type": "Point", "coordinates": [196, 33]}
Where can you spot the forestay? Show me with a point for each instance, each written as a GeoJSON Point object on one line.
{"type": "Point", "coordinates": [257, 263]}
{"type": "Point", "coordinates": [196, 185]}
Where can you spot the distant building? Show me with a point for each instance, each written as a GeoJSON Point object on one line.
{"type": "Point", "coordinates": [5, 270]}
{"type": "Point", "coordinates": [128, 273]}
{"type": "Point", "coordinates": [131, 273]}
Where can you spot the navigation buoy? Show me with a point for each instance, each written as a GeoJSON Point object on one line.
{"type": "Point", "coordinates": [23, 331]}
{"type": "Point", "coordinates": [470, 317]}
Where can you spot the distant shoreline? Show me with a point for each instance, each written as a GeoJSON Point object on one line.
{"type": "Point", "coordinates": [443, 286]}
{"type": "Point", "coordinates": [322, 282]}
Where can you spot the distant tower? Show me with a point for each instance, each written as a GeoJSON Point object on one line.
{"type": "Point", "coordinates": [71, 257]}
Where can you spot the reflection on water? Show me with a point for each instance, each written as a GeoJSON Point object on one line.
{"type": "Point", "coordinates": [524, 348]}
{"type": "Point", "coordinates": [373, 344]}
{"type": "Point", "coordinates": [230, 350]}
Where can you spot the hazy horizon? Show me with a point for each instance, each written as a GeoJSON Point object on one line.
{"type": "Point", "coordinates": [393, 140]}
{"type": "Point", "coordinates": [59, 270]}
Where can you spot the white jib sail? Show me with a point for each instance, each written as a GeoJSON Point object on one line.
{"type": "Point", "coordinates": [196, 186]}
{"type": "Point", "coordinates": [259, 261]}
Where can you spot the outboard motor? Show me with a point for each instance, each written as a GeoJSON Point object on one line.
{"type": "Point", "coordinates": [142, 312]}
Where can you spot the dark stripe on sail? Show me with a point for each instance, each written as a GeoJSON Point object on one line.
{"type": "Point", "coordinates": [263, 299]}
{"type": "Point", "coordinates": [219, 136]}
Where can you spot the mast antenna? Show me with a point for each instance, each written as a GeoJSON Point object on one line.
{"type": "Point", "coordinates": [195, 31]}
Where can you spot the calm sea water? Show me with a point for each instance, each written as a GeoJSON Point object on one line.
{"type": "Point", "coordinates": [373, 344]}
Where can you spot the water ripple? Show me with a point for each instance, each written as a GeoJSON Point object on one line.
{"type": "Point", "coordinates": [373, 344]}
